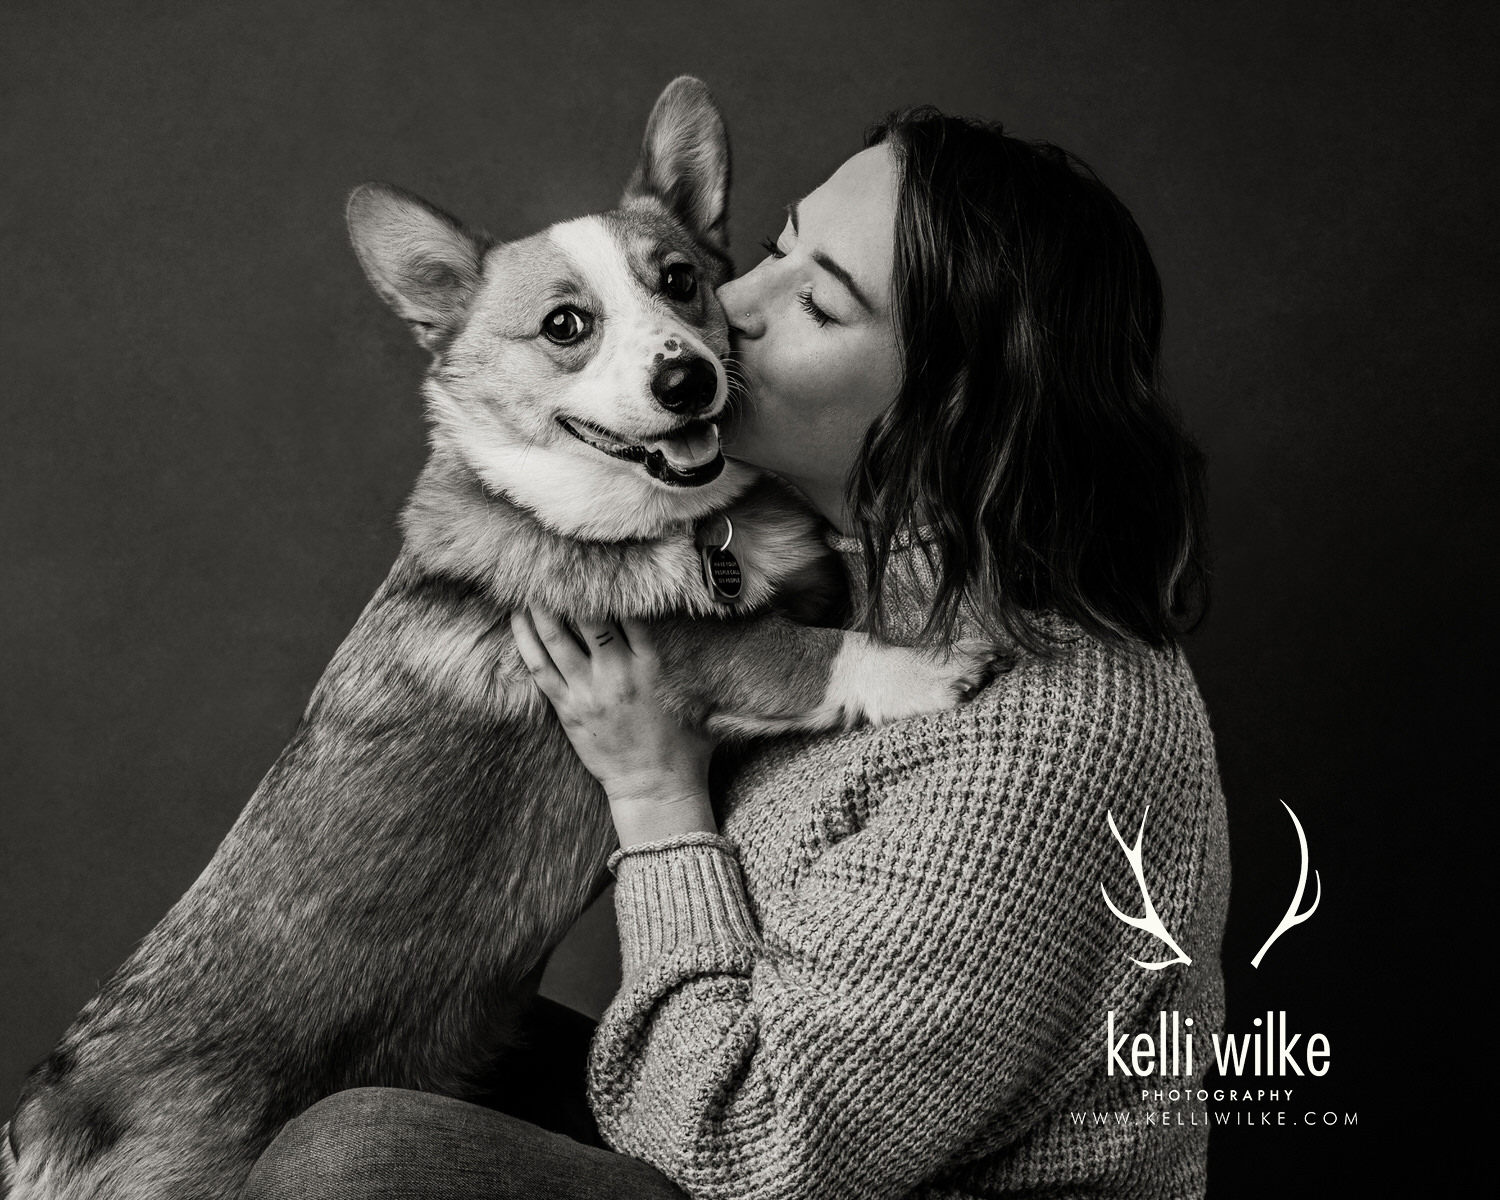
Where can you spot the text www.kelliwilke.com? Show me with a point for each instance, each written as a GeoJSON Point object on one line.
{"type": "Point", "coordinates": [1202, 1117]}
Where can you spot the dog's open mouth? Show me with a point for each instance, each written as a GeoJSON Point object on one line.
{"type": "Point", "coordinates": [689, 456]}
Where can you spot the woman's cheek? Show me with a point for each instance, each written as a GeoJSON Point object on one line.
{"type": "Point", "coordinates": [775, 373]}
{"type": "Point", "coordinates": [800, 373]}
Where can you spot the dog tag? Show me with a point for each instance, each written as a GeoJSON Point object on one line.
{"type": "Point", "coordinates": [721, 570]}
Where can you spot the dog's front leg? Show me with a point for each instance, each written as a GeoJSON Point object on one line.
{"type": "Point", "coordinates": [767, 674]}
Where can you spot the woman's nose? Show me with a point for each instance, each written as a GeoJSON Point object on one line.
{"type": "Point", "coordinates": [741, 307]}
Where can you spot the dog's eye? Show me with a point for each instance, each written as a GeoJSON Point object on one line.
{"type": "Point", "coordinates": [679, 281]}
{"type": "Point", "coordinates": [565, 325]}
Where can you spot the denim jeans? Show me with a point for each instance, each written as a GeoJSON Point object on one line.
{"type": "Point", "coordinates": [392, 1144]}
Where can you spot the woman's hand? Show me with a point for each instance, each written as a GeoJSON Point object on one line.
{"type": "Point", "coordinates": [654, 771]}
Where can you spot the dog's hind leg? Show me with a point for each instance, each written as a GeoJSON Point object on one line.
{"type": "Point", "coordinates": [771, 675]}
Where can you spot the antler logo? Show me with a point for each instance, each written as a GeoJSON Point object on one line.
{"type": "Point", "coordinates": [1293, 917]}
{"type": "Point", "coordinates": [1151, 923]}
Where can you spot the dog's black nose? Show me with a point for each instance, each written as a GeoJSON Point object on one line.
{"type": "Point", "coordinates": [685, 384]}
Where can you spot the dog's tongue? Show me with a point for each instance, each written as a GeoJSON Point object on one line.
{"type": "Point", "coordinates": [694, 445]}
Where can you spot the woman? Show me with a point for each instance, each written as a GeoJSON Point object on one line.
{"type": "Point", "coordinates": [880, 965]}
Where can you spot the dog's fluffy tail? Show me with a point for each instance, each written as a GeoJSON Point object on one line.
{"type": "Point", "coordinates": [7, 1162]}
{"type": "Point", "coordinates": [15, 1183]}
{"type": "Point", "coordinates": [13, 1186]}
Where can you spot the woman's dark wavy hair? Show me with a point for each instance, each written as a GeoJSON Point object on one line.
{"type": "Point", "coordinates": [1031, 434]}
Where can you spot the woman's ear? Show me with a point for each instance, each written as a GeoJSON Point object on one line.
{"type": "Point", "coordinates": [422, 262]}
{"type": "Point", "coordinates": [684, 163]}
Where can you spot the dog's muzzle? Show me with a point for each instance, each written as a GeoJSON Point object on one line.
{"type": "Point", "coordinates": [688, 456]}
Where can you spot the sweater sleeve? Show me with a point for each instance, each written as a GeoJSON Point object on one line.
{"type": "Point", "coordinates": [913, 995]}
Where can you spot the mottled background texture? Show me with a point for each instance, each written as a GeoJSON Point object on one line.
{"type": "Point", "coordinates": [208, 424]}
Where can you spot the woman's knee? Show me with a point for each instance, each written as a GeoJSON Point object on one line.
{"type": "Point", "coordinates": [338, 1149]}
{"type": "Point", "coordinates": [386, 1142]}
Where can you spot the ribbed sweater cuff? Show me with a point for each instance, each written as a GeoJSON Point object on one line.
{"type": "Point", "coordinates": [682, 893]}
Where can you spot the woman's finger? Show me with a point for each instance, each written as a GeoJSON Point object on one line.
{"type": "Point", "coordinates": [568, 656]}
{"type": "Point", "coordinates": [602, 637]}
{"type": "Point", "coordinates": [638, 638]}
{"type": "Point", "coordinates": [534, 654]}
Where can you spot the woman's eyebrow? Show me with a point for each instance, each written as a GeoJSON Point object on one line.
{"type": "Point", "coordinates": [832, 267]}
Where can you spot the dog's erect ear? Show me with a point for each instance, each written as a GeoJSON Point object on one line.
{"type": "Point", "coordinates": [685, 162]}
{"type": "Point", "coordinates": [424, 264]}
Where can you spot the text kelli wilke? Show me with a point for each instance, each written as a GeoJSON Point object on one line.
{"type": "Point", "coordinates": [1167, 1051]}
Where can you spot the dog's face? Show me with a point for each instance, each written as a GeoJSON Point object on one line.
{"type": "Point", "coordinates": [578, 371]}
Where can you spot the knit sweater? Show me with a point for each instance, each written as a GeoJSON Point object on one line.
{"type": "Point", "coordinates": [892, 973]}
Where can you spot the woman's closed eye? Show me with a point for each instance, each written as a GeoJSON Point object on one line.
{"type": "Point", "coordinates": [804, 298]}
{"type": "Point", "coordinates": [810, 307]}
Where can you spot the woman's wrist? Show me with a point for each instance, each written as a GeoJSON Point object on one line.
{"type": "Point", "coordinates": [641, 815]}
{"type": "Point", "coordinates": [653, 769]}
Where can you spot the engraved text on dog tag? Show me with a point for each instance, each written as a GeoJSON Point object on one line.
{"type": "Point", "coordinates": [723, 573]}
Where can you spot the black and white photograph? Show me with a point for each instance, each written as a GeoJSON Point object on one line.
{"type": "Point", "coordinates": [798, 601]}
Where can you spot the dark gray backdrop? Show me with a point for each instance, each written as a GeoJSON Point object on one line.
{"type": "Point", "coordinates": [209, 422]}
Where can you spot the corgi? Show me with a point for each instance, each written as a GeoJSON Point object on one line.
{"type": "Point", "coordinates": [381, 911]}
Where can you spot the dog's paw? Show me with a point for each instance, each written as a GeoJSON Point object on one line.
{"type": "Point", "coordinates": [977, 664]}
{"type": "Point", "coordinates": [875, 683]}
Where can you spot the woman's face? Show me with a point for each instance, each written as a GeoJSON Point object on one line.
{"type": "Point", "coordinates": [814, 335]}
